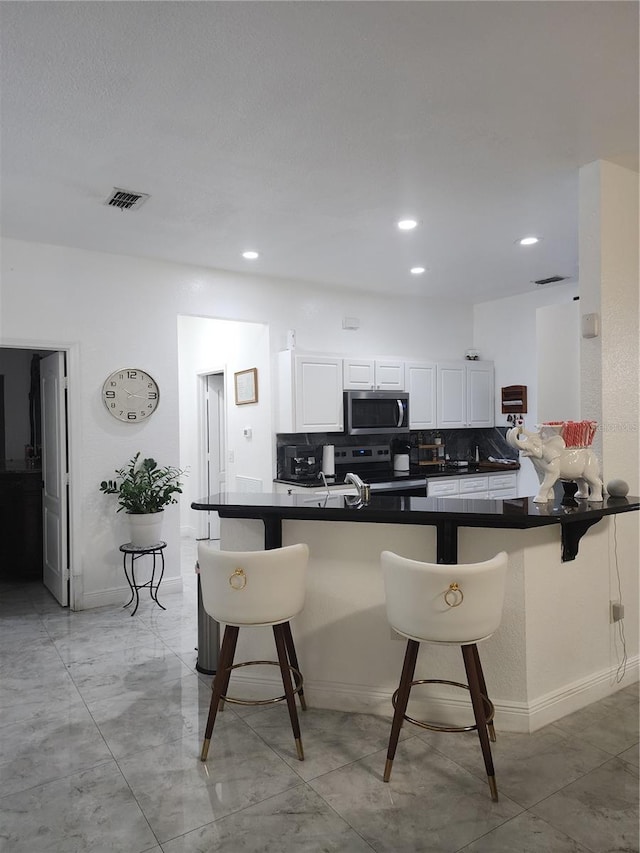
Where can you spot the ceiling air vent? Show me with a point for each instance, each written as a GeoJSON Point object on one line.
{"type": "Point", "coordinates": [126, 199]}
{"type": "Point", "coordinates": [553, 279]}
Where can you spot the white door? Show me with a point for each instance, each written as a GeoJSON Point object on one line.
{"type": "Point", "coordinates": [480, 394]}
{"type": "Point", "coordinates": [215, 455]}
{"type": "Point", "coordinates": [358, 374]}
{"type": "Point", "coordinates": [389, 375]}
{"type": "Point", "coordinates": [421, 385]}
{"type": "Point", "coordinates": [318, 394]}
{"type": "Point", "coordinates": [451, 398]}
{"type": "Point", "coordinates": [55, 497]}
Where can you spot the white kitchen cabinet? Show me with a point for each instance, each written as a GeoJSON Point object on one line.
{"type": "Point", "coordinates": [503, 486]}
{"type": "Point", "coordinates": [420, 382]}
{"type": "Point", "coordinates": [465, 394]}
{"type": "Point", "coordinates": [309, 393]}
{"type": "Point", "coordinates": [378, 374]}
{"type": "Point", "coordinates": [491, 485]}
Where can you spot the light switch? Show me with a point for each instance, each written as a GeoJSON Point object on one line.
{"type": "Point", "coordinates": [590, 325]}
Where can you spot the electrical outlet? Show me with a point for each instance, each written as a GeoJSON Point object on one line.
{"type": "Point", "coordinates": [616, 611]}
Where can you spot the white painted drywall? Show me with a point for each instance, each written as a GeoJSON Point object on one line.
{"type": "Point", "coordinates": [558, 358]}
{"type": "Point", "coordinates": [122, 311]}
{"type": "Point", "coordinates": [505, 331]}
{"type": "Point", "coordinates": [207, 346]}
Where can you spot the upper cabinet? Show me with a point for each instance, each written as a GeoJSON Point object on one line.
{"type": "Point", "coordinates": [310, 393]}
{"type": "Point", "coordinates": [465, 394]}
{"type": "Point", "coordinates": [420, 379]}
{"type": "Point", "coordinates": [368, 374]}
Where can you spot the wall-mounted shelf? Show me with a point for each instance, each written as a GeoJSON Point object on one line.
{"type": "Point", "coordinates": [514, 400]}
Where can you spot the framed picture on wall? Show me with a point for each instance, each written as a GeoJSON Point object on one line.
{"type": "Point", "coordinates": [246, 386]}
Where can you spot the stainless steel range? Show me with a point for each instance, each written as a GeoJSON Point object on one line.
{"type": "Point", "coordinates": [373, 464]}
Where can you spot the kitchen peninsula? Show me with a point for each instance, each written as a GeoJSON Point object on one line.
{"type": "Point", "coordinates": [551, 654]}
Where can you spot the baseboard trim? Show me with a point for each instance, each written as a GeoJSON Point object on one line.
{"type": "Point", "coordinates": [552, 706]}
{"type": "Point", "coordinates": [120, 594]}
{"type": "Point", "coordinates": [510, 716]}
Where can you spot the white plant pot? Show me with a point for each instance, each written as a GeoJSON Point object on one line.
{"type": "Point", "coordinates": [145, 529]}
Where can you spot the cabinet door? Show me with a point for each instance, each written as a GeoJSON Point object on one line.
{"type": "Point", "coordinates": [480, 394]}
{"type": "Point", "coordinates": [389, 375]}
{"type": "Point", "coordinates": [442, 488]}
{"type": "Point", "coordinates": [318, 394]}
{"type": "Point", "coordinates": [420, 379]}
{"type": "Point", "coordinates": [451, 395]}
{"type": "Point", "coordinates": [359, 374]}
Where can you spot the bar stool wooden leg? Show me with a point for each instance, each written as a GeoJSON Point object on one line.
{"type": "Point", "coordinates": [483, 689]}
{"type": "Point", "coordinates": [281, 646]}
{"type": "Point", "coordinates": [293, 660]}
{"type": "Point", "coordinates": [404, 689]}
{"type": "Point", "coordinates": [480, 716]}
{"type": "Point", "coordinates": [220, 682]}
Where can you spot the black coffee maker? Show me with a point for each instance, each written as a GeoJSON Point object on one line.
{"type": "Point", "coordinates": [299, 462]}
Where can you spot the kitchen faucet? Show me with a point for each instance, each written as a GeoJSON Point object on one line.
{"type": "Point", "coordinates": [364, 489]}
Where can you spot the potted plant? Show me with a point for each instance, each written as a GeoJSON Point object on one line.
{"type": "Point", "coordinates": [144, 489]}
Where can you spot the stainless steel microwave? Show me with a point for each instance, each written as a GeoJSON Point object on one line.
{"type": "Point", "coordinates": [376, 412]}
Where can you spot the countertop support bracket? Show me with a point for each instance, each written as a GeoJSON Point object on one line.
{"type": "Point", "coordinates": [447, 541]}
{"type": "Point", "coordinates": [572, 533]}
{"type": "Point", "coordinates": [272, 532]}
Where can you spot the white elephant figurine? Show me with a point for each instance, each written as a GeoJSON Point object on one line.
{"type": "Point", "coordinates": [553, 460]}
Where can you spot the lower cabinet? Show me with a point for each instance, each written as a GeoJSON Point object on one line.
{"type": "Point", "coordinates": [20, 525]}
{"type": "Point", "coordinates": [497, 486]}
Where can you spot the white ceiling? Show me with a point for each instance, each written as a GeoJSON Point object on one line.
{"type": "Point", "coordinates": [306, 129]}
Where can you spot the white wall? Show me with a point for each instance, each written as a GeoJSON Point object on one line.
{"type": "Point", "coordinates": [119, 311]}
{"type": "Point", "coordinates": [558, 358]}
{"type": "Point", "coordinates": [209, 346]}
{"type": "Point", "coordinates": [505, 331]}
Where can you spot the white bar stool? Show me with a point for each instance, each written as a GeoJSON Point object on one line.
{"type": "Point", "coordinates": [243, 588]}
{"type": "Point", "coordinates": [450, 605]}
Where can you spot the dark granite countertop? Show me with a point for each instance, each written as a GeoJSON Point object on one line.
{"type": "Point", "coordinates": [467, 512]}
{"type": "Point", "coordinates": [446, 514]}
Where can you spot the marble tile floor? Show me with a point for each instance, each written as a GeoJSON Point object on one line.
{"type": "Point", "coordinates": [101, 719]}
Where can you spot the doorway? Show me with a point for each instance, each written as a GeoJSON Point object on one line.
{"type": "Point", "coordinates": [35, 457]}
{"type": "Point", "coordinates": [213, 443]}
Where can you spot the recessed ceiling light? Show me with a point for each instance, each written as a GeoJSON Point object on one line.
{"type": "Point", "coordinates": [250, 256]}
{"type": "Point", "coordinates": [416, 270]}
{"type": "Point", "coordinates": [407, 224]}
{"type": "Point", "coordinates": [528, 241]}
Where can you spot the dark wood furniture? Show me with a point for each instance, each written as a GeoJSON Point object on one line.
{"type": "Point", "coordinates": [21, 525]}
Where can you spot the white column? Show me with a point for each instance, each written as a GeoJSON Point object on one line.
{"type": "Point", "coordinates": [610, 375]}
{"type": "Point", "coordinates": [609, 288]}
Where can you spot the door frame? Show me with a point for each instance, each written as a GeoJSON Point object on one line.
{"type": "Point", "coordinates": [72, 351]}
{"type": "Point", "coordinates": [203, 517]}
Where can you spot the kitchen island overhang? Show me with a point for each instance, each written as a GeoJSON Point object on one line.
{"type": "Point", "coordinates": [553, 652]}
{"type": "Point", "coordinates": [575, 517]}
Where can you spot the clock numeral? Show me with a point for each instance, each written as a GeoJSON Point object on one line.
{"type": "Point", "coordinates": [132, 374]}
{"type": "Point", "coordinates": [113, 384]}
{"type": "Point", "coordinates": [143, 414]}
{"type": "Point", "coordinates": [131, 416]}
{"type": "Point", "coordinates": [152, 395]}
{"type": "Point", "coordinates": [150, 406]}
{"type": "Point", "coordinates": [110, 395]}
{"type": "Point", "coordinates": [122, 411]}
{"type": "Point", "coordinates": [113, 405]}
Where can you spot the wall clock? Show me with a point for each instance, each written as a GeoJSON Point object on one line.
{"type": "Point", "coordinates": [130, 395]}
